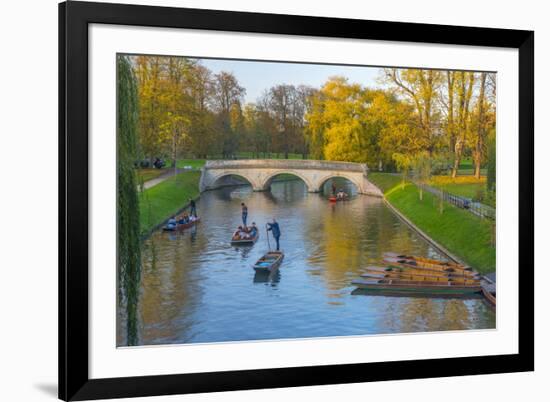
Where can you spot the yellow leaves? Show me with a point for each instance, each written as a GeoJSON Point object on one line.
{"type": "Point", "coordinates": [442, 180]}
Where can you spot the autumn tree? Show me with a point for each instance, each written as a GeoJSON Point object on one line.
{"type": "Point", "coordinates": [464, 88]}
{"type": "Point", "coordinates": [339, 115]}
{"type": "Point", "coordinates": [227, 93]}
{"type": "Point", "coordinates": [420, 87]}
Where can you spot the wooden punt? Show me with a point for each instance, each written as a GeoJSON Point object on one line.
{"type": "Point", "coordinates": [431, 267]}
{"type": "Point", "coordinates": [269, 262]}
{"type": "Point", "coordinates": [491, 298]}
{"type": "Point", "coordinates": [245, 242]}
{"type": "Point", "coordinates": [418, 277]}
{"type": "Point", "coordinates": [416, 287]}
{"type": "Point", "coordinates": [332, 199]}
{"type": "Point", "coordinates": [181, 226]}
{"type": "Point", "coordinates": [428, 262]}
{"type": "Point", "coordinates": [405, 270]}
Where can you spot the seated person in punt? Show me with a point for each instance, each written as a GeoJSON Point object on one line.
{"type": "Point", "coordinates": [242, 233]}
{"type": "Point", "coordinates": [171, 223]}
{"type": "Point", "coordinates": [183, 219]}
{"type": "Point", "coordinates": [341, 195]}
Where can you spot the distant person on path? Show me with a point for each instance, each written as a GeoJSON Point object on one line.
{"type": "Point", "coordinates": [193, 207]}
{"type": "Point", "coordinates": [244, 212]}
{"type": "Point", "coordinates": [274, 227]}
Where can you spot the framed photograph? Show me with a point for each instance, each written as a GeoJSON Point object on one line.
{"type": "Point", "coordinates": [257, 200]}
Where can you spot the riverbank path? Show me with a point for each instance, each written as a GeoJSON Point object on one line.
{"type": "Point", "coordinates": [165, 175]}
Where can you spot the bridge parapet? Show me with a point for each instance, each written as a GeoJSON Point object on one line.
{"type": "Point", "coordinates": [286, 164]}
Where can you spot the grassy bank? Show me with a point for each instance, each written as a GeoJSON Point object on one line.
{"type": "Point", "coordinates": [462, 233]}
{"type": "Point", "coordinates": [194, 163]}
{"type": "Point", "coordinates": [157, 203]}
{"type": "Point", "coordinates": [464, 186]}
{"type": "Point", "coordinates": [148, 174]}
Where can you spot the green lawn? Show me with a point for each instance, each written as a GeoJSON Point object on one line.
{"type": "Point", "coordinates": [149, 174]}
{"type": "Point", "coordinates": [385, 181]}
{"type": "Point", "coordinates": [466, 168]}
{"type": "Point", "coordinates": [461, 232]}
{"type": "Point", "coordinates": [157, 203]}
{"type": "Point", "coordinates": [195, 163]}
{"type": "Point", "coordinates": [465, 186]}
{"type": "Point", "coordinates": [469, 190]}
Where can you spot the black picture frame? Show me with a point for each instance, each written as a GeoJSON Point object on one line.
{"type": "Point", "coordinates": [74, 18]}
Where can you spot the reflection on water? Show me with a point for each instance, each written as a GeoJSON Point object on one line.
{"type": "Point", "coordinates": [196, 287]}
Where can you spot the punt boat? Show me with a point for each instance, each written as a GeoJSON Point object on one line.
{"type": "Point", "coordinates": [181, 226]}
{"type": "Point", "coordinates": [269, 262]}
{"type": "Point", "coordinates": [405, 270]}
{"type": "Point", "coordinates": [429, 267]}
{"type": "Point", "coordinates": [428, 262]}
{"type": "Point", "coordinates": [420, 277]}
{"type": "Point", "coordinates": [490, 296]}
{"type": "Point", "coordinates": [416, 287]}
{"type": "Point", "coordinates": [245, 242]}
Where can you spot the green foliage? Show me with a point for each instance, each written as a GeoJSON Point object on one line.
{"type": "Point", "coordinates": [128, 233]}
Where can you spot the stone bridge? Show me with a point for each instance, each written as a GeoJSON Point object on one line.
{"type": "Point", "coordinates": [261, 172]}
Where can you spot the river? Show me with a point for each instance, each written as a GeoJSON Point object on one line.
{"type": "Point", "coordinates": [196, 287]}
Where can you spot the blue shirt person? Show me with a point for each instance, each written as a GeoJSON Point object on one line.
{"type": "Point", "coordinates": [171, 223]}
{"type": "Point", "coordinates": [275, 230]}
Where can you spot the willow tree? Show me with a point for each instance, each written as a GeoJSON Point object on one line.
{"type": "Point", "coordinates": [420, 88]}
{"type": "Point", "coordinates": [129, 258]}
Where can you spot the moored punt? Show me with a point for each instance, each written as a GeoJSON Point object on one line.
{"type": "Point", "coordinates": [181, 226]}
{"type": "Point", "coordinates": [424, 272]}
{"type": "Point", "coordinates": [269, 262]}
{"type": "Point", "coordinates": [416, 287]}
{"type": "Point", "coordinates": [245, 242]}
{"type": "Point", "coordinates": [404, 275]}
{"type": "Point", "coordinates": [432, 267]}
{"type": "Point", "coordinates": [491, 298]}
{"type": "Point", "coordinates": [428, 262]}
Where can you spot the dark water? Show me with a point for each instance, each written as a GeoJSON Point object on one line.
{"type": "Point", "coordinates": [196, 287]}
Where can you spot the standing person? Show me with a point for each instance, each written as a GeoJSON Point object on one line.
{"type": "Point", "coordinates": [244, 212]}
{"type": "Point", "coordinates": [333, 189]}
{"type": "Point", "coordinates": [193, 207]}
{"type": "Point", "coordinates": [274, 227]}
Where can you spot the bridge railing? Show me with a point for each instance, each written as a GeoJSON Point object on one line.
{"type": "Point", "coordinates": [286, 164]}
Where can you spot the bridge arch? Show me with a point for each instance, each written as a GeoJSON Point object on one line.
{"type": "Point", "coordinates": [237, 173]}
{"type": "Point", "coordinates": [351, 178]}
{"type": "Point", "coordinates": [268, 179]}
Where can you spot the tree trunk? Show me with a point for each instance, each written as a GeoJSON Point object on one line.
{"type": "Point", "coordinates": [481, 127]}
{"type": "Point", "coordinates": [458, 158]}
